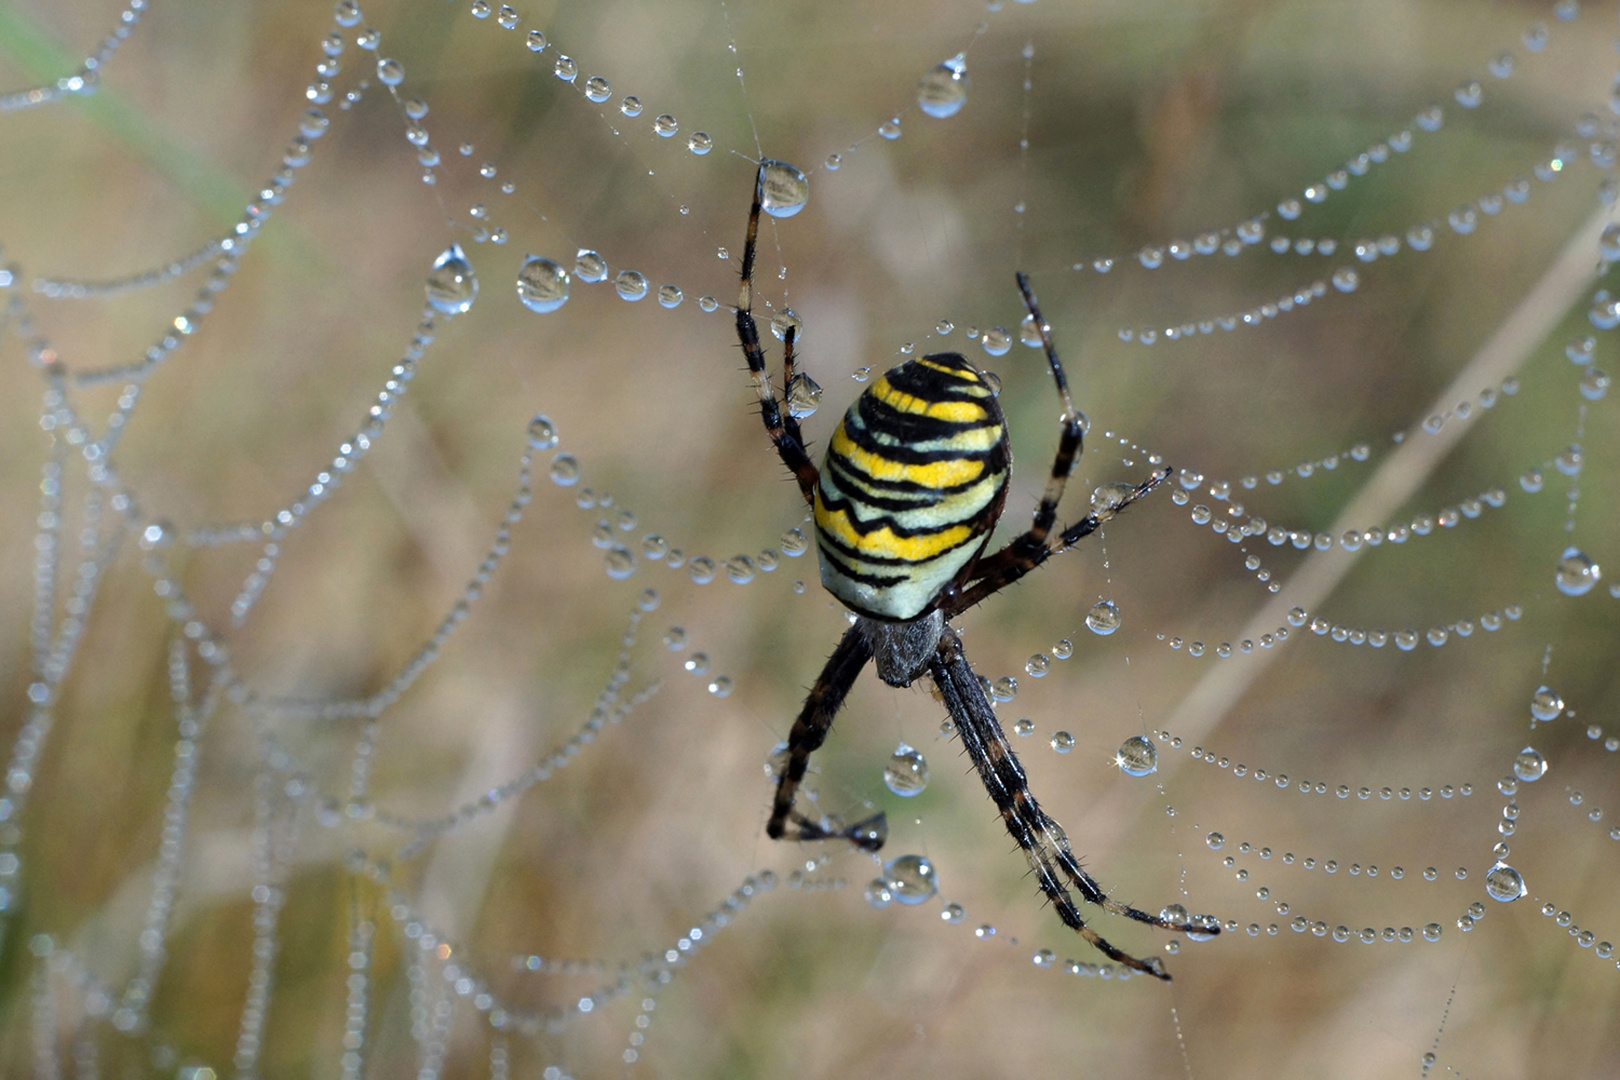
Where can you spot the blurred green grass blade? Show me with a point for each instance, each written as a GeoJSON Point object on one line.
{"type": "Point", "coordinates": [45, 60]}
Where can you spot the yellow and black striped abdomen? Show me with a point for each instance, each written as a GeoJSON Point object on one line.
{"type": "Point", "coordinates": [913, 482]}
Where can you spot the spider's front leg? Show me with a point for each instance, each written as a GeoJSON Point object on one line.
{"type": "Point", "coordinates": [809, 732]}
{"type": "Point", "coordinates": [780, 423]}
{"type": "Point", "coordinates": [1025, 552]}
{"type": "Point", "coordinates": [1043, 840]}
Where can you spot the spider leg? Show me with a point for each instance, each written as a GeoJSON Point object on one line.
{"type": "Point", "coordinates": [1029, 549]}
{"type": "Point", "coordinates": [995, 572]}
{"type": "Point", "coordinates": [1043, 840]}
{"type": "Point", "coordinates": [809, 732]}
{"type": "Point", "coordinates": [780, 423]}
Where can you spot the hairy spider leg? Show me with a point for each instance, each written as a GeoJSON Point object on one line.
{"type": "Point", "coordinates": [780, 423]}
{"type": "Point", "coordinates": [809, 732]}
{"type": "Point", "coordinates": [995, 572]}
{"type": "Point", "coordinates": [1043, 840]}
{"type": "Point", "coordinates": [1026, 549]}
{"type": "Point", "coordinates": [1069, 439]}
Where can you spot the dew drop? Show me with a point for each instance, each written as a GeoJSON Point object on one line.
{"type": "Point", "coordinates": [542, 285]}
{"type": "Point", "coordinates": [1575, 573]}
{"type": "Point", "coordinates": [700, 143]}
{"type": "Point", "coordinates": [911, 879]}
{"type": "Point", "coordinates": [890, 129]}
{"type": "Point", "coordinates": [542, 432]}
{"type": "Point", "coordinates": [630, 106]}
{"type": "Point", "coordinates": [1594, 384]}
{"type": "Point", "coordinates": [1529, 765]}
{"type": "Point", "coordinates": [785, 189]}
{"type": "Point", "coordinates": [621, 562]}
{"type": "Point", "coordinates": [630, 285]}
{"type": "Point", "coordinates": [1108, 498]}
{"type": "Point", "coordinates": [1103, 618]}
{"type": "Point", "coordinates": [1062, 742]}
{"type": "Point", "coordinates": [1545, 704]}
{"type": "Point", "coordinates": [803, 396]}
{"type": "Point", "coordinates": [944, 89]}
{"type": "Point", "coordinates": [1137, 756]}
{"type": "Point", "coordinates": [997, 341]}
{"type": "Point", "coordinates": [1345, 279]}
{"type": "Point", "coordinates": [589, 266]}
{"type": "Point", "coordinates": [451, 283]}
{"type": "Point", "coordinates": [785, 320]}
{"type": "Point", "coordinates": [670, 296]}
{"type": "Point", "coordinates": [665, 125]}
{"type": "Point", "coordinates": [597, 89]}
{"type": "Point", "coordinates": [564, 471]}
{"type": "Point", "coordinates": [1504, 883]}
{"type": "Point", "coordinates": [565, 69]}
{"type": "Point", "coordinates": [906, 773]}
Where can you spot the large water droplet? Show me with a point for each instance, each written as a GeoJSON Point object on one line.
{"type": "Point", "coordinates": [1529, 765]}
{"type": "Point", "coordinates": [1103, 618]}
{"type": "Point", "coordinates": [589, 266]}
{"type": "Point", "coordinates": [542, 432]}
{"type": "Point", "coordinates": [906, 774]}
{"type": "Point", "coordinates": [621, 562]}
{"type": "Point", "coordinates": [1108, 498]}
{"type": "Point", "coordinates": [911, 879]}
{"type": "Point", "coordinates": [785, 320]}
{"type": "Point", "coordinates": [785, 189]}
{"type": "Point", "coordinates": [1545, 704]}
{"type": "Point", "coordinates": [1504, 883]}
{"type": "Point", "coordinates": [542, 285]}
{"type": "Point", "coordinates": [1137, 756]}
{"type": "Point", "coordinates": [944, 90]}
{"type": "Point", "coordinates": [452, 286]}
{"type": "Point", "coordinates": [564, 470]}
{"type": "Point", "coordinates": [630, 285]}
{"type": "Point", "coordinates": [1576, 573]}
{"type": "Point", "coordinates": [803, 396]}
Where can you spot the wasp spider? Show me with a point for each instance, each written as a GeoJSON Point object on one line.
{"type": "Point", "coordinates": [904, 503]}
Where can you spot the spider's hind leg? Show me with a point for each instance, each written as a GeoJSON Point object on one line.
{"type": "Point", "coordinates": [809, 732]}
{"type": "Point", "coordinates": [1042, 839]}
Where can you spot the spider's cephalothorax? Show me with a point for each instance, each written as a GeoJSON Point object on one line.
{"type": "Point", "coordinates": [912, 485]}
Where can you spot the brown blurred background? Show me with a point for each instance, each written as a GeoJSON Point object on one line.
{"type": "Point", "coordinates": [1145, 122]}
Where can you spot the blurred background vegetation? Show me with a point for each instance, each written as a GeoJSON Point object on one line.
{"type": "Point", "coordinates": [1144, 122]}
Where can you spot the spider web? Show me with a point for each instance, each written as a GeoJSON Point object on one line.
{"type": "Point", "coordinates": [392, 688]}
